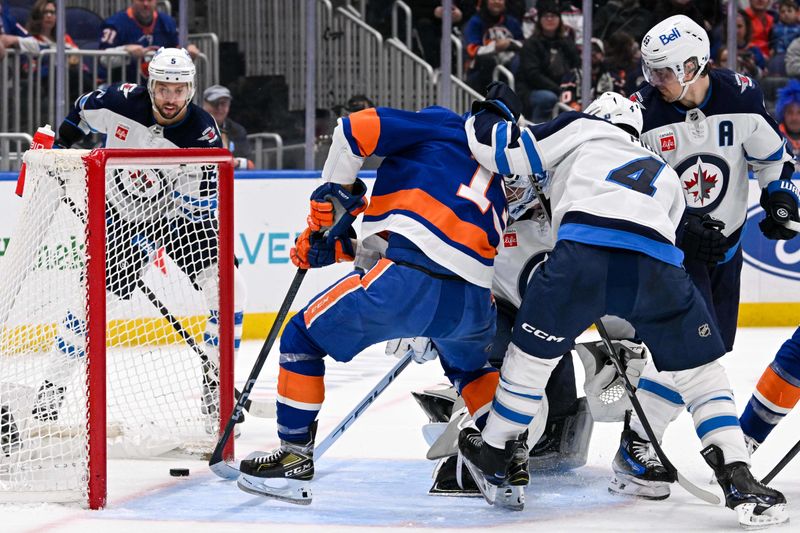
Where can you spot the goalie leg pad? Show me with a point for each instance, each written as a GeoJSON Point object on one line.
{"type": "Point", "coordinates": [518, 395]}
{"type": "Point", "coordinates": [567, 446]}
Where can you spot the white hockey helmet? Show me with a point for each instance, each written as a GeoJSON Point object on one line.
{"type": "Point", "coordinates": [670, 47]}
{"type": "Point", "coordinates": [171, 65]}
{"type": "Point", "coordinates": [617, 109]}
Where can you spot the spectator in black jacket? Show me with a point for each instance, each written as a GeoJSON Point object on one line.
{"type": "Point", "coordinates": [426, 16]}
{"type": "Point", "coordinates": [546, 57]}
{"type": "Point", "coordinates": [217, 101]}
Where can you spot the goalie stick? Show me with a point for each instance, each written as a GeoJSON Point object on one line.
{"type": "Point", "coordinates": [630, 390]}
{"type": "Point", "coordinates": [786, 458]}
{"type": "Point", "coordinates": [256, 408]}
{"type": "Point", "coordinates": [217, 462]}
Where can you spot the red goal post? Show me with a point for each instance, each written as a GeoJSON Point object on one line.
{"type": "Point", "coordinates": [88, 312]}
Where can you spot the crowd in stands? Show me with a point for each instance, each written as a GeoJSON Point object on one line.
{"type": "Point", "coordinates": [540, 42]}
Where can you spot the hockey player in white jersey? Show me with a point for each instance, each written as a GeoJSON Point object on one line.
{"type": "Point", "coordinates": [616, 207]}
{"type": "Point", "coordinates": [709, 125]}
{"type": "Point", "coordinates": [147, 208]}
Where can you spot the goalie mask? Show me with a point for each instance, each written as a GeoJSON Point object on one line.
{"type": "Point", "coordinates": [520, 195]}
{"type": "Point", "coordinates": [673, 50]}
{"type": "Point", "coordinates": [618, 110]}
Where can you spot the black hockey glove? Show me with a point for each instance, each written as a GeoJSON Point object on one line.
{"type": "Point", "coordinates": [702, 240]}
{"type": "Point", "coordinates": [779, 200]}
{"type": "Point", "coordinates": [500, 100]}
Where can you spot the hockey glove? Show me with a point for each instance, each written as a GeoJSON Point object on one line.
{"type": "Point", "coordinates": [702, 239]}
{"type": "Point", "coordinates": [500, 100]}
{"type": "Point", "coordinates": [314, 250]}
{"type": "Point", "coordinates": [424, 350]}
{"type": "Point", "coordinates": [334, 208]}
{"type": "Point", "coordinates": [779, 200]}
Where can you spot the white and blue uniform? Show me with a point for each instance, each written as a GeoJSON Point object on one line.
{"type": "Point", "coordinates": [710, 147]}
{"type": "Point", "coordinates": [150, 207]}
{"type": "Point", "coordinates": [616, 206]}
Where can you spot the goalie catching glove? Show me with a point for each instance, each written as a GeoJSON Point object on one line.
{"type": "Point", "coordinates": [604, 388]}
{"type": "Point", "coordinates": [424, 350]}
{"type": "Point", "coordinates": [315, 250]}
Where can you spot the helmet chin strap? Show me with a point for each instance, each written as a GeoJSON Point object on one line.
{"type": "Point", "coordinates": [161, 119]}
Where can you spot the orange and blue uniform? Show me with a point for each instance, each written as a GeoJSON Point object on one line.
{"type": "Point", "coordinates": [777, 392]}
{"type": "Point", "coordinates": [444, 216]}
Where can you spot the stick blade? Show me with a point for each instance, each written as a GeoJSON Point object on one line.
{"type": "Point", "coordinates": [696, 491]}
{"type": "Point", "coordinates": [224, 470]}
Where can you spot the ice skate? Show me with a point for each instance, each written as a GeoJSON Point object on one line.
{"type": "Point", "coordinates": [638, 471]}
{"type": "Point", "coordinates": [756, 505]}
{"type": "Point", "coordinates": [48, 402]}
{"type": "Point", "coordinates": [491, 468]}
{"type": "Point", "coordinates": [450, 478]}
{"type": "Point", "coordinates": [283, 474]}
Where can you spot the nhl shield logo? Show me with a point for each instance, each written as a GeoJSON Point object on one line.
{"type": "Point", "coordinates": [704, 180]}
{"type": "Point", "coordinates": [704, 330]}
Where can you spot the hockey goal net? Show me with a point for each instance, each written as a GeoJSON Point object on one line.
{"type": "Point", "coordinates": [116, 316]}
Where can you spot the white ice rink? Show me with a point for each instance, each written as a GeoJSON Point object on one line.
{"type": "Point", "coordinates": [376, 476]}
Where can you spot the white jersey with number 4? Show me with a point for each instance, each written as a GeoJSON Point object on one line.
{"type": "Point", "coordinates": [605, 187]}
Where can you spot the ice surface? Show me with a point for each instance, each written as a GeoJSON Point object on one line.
{"type": "Point", "coordinates": [376, 476]}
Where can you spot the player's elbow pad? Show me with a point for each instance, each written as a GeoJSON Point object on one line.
{"type": "Point", "coordinates": [68, 134]}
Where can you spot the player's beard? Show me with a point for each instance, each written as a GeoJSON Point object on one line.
{"type": "Point", "coordinates": [169, 118]}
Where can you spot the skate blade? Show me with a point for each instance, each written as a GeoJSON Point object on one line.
{"type": "Point", "coordinates": [772, 516]}
{"type": "Point", "coordinates": [646, 490]}
{"type": "Point", "coordinates": [508, 497]}
{"type": "Point", "coordinates": [285, 490]}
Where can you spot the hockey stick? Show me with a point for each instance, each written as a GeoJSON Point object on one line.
{"type": "Point", "coordinates": [631, 391]}
{"type": "Point", "coordinates": [256, 408]}
{"type": "Point", "coordinates": [783, 462]}
{"type": "Point", "coordinates": [259, 409]}
{"type": "Point", "coordinates": [217, 462]}
{"type": "Point", "coordinates": [792, 225]}
{"type": "Point", "coordinates": [359, 409]}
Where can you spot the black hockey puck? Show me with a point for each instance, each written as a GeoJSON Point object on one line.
{"type": "Point", "coordinates": [178, 472]}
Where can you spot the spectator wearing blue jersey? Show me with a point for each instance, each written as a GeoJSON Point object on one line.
{"type": "Point", "coordinates": [492, 37]}
{"type": "Point", "coordinates": [14, 35]}
{"type": "Point", "coordinates": [140, 29]}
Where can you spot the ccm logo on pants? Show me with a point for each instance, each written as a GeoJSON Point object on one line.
{"type": "Point", "coordinates": [541, 334]}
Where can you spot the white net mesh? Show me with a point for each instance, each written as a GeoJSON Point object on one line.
{"type": "Point", "coordinates": [161, 259]}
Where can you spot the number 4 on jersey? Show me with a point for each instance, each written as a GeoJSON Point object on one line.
{"type": "Point", "coordinates": [639, 175]}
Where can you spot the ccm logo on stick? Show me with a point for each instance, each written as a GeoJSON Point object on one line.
{"type": "Point", "coordinates": [541, 334]}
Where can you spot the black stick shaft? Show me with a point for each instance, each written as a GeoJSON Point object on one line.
{"type": "Point", "coordinates": [216, 457]}
{"type": "Point", "coordinates": [782, 463]}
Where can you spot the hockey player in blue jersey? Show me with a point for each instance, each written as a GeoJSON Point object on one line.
{"type": "Point", "coordinates": [159, 115]}
{"type": "Point", "coordinates": [616, 207]}
{"type": "Point", "coordinates": [140, 29]}
{"type": "Point", "coordinates": [709, 125]}
{"type": "Point", "coordinates": [443, 215]}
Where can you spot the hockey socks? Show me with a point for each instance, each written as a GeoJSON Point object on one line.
{"type": "Point", "coordinates": [777, 392]}
{"type": "Point", "coordinates": [518, 396]}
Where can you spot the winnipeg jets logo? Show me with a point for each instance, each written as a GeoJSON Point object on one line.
{"type": "Point", "coordinates": [704, 179]}
{"type": "Point", "coordinates": [126, 88]}
{"type": "Point", "coordinates": [209, 134]}
{"type": "Point", "coordinates": [744, 82]}
{"type": "Point", "coordinates": [637, 97]}
{"type": "Point", "coordinates": [701, 184]}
